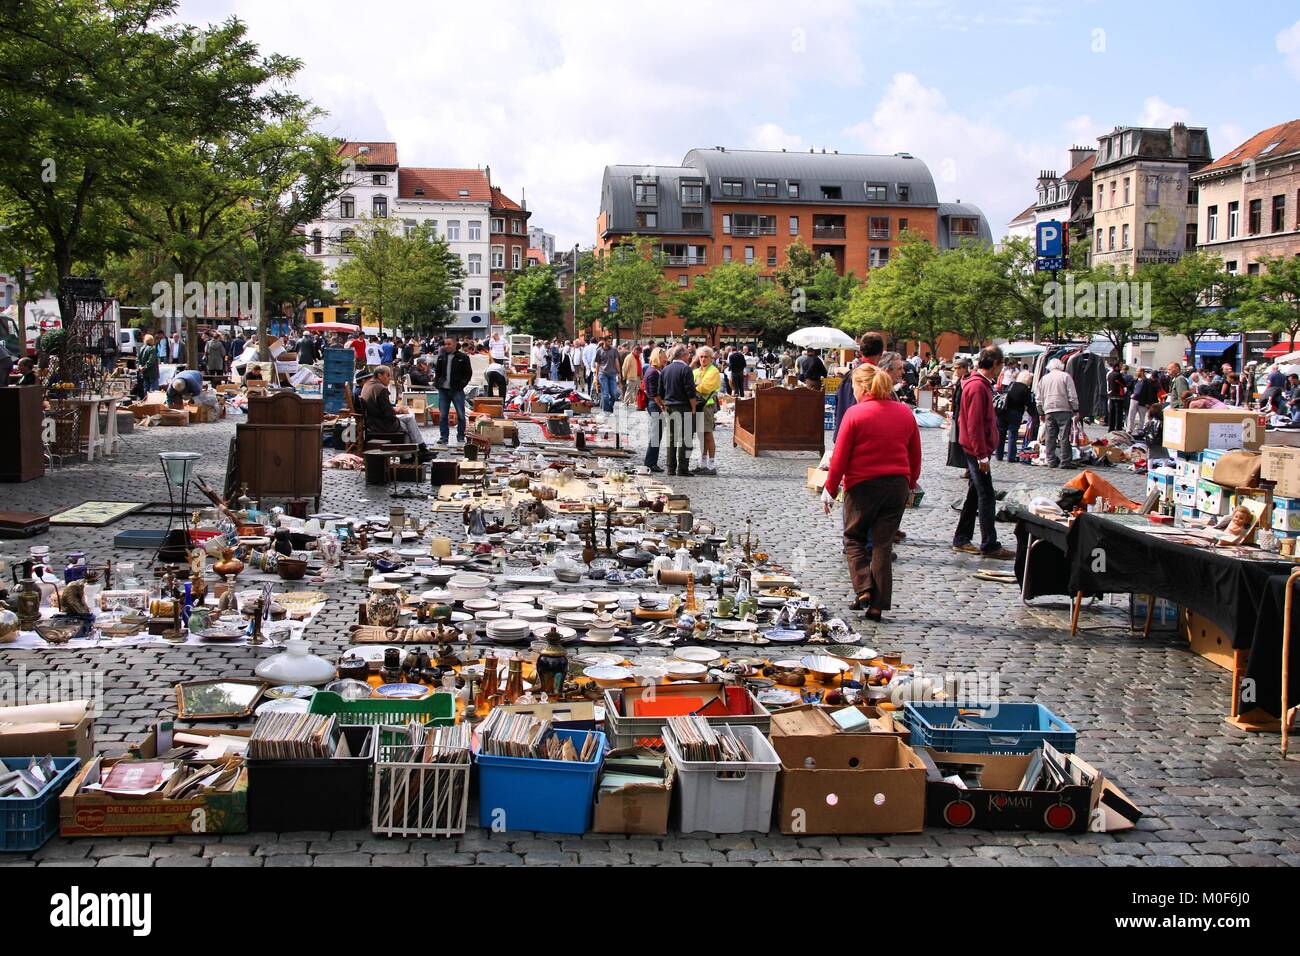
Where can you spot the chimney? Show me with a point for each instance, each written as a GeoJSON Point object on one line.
{"type": "Point", "coordinates": [1046, 176]}
{"type": "Point", "coordinates": [1079, 153]}
{"type": "Point", "coordinates": [523, 198]}
{"type": "Point", "coordinates": [1178, 141]}
{"type": "Point", "coordinates": [487, 171]}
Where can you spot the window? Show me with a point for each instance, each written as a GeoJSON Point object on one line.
{"type": "Point", "coordinates": [877, 193]}
{"type": "Point", "coordinates": [498, 290]}
{"type": "Point", "coordinates": [733, 187]}
{"type": "Point", "coordinates": [749, 255]}
{"type": "Point", "coordinates": [1124, 236]}
{"type": "Point", "coordinates": [379, 179]}
{"type": "Point", "coordinates": [792, 190]}
{"type": "Point", "coordinates": [1099, 246]}
{"type": "Point", "coordinates": [433, 228]}
{"type": "Point", "coordinates": [1279, 213]}
{"type": "Point", "coordinates": [1189, 238]}
{"type": "Point", "coordinates": [1150, 237]}
{"type": "Point", "coordinates": [347, 208]}
{"type": "Point", "coordinates": [316, 242]}
{"type": "Point", "coordinates": [647, 220]}
{"type": "Point", "coordinates": [726, 225]}
{"type": "Point", "coordinates": [345, 236]}
{"type": "Point", "coordinates": [498, 225]}
{"type": "Point", "coordinates": [379, 207]}
{"type": "Point", "coordinates": [877, 256]}
{"type": "Point", "coordinates": [1153, 191]}
{"type": "Point", "coordinates": [419, 190]}
{"type": "Point", "coordinates": [692, 194]}
{"type": "Point", "coordinates": [726, 253]}
{"type": "Point", "coordinates": [514, 258]}
{"type": "Point", "coordinates": [1212, 224]}
{"type": "Point", "coordinates": [832, 192]}
{"type": "Point", "coordinates": [904, 192]}
{"type": "Point", "coordinates": [455, 302]}
{"type": "Point", "coordinates": [1113, 184]}
{"type": "Point", "coordinates": [771, 255]}
{"type": "Point", "coordinates": [964, 226]}
{"type": "Point", "coordinates": [1234, 214]}
{"type": "Point", "coordinates": [647, 193]}
{"type": "Point", "coordinates": [1231, 267]}
{"type": "Point", "coordinates": [692, 220]}
{"type": "Point", "coordinates": [475, 264]}
{"type": "Point", "coordinates": [1127, 198]}
{"type": "Point", "coordinates": [683, 280]}
{"type": "Point", "coordinates": [878, 227]}
{"type": "Point", "coordinates": [1101, 196]}
{"type": "Point", "coordinates": [498, 257]}
{"type": "Point", "coordinates": [794, 225]}
{"type": "Point", "coordinates": [1111, 236]}
{"type": "Point", "coordinates": [475, 230]}
{"type": "Point", "coordinates": [1255, 216]}
{"type": "Point", "coordinates": [765, 188]}
{"type": "Point", "coordinates": [453, 230]}
{"type": "Point", "coordinates": [475, 297]}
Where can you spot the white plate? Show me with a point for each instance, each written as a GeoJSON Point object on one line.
{"type": "Point", "coordinates": [607, 674]}
{"type": "Point", "coordinates": [686, 670]}
{"type": "Point", "coordinates": [291, 704]}
{"type": "Point", "coordinates": [697, 655]}
{"type": "Point", "coordinates": [599, 639]}
{"type": "Point", "coordinates": [600, 660]}
{"type": "Point", "coordinates": [778, 697]}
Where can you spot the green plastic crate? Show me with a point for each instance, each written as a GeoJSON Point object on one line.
{"type": "Point", "coordinates": [438, 709]}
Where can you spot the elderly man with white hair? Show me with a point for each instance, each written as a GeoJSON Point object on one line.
{"type": "Point", "coordinates": [1058, 400]}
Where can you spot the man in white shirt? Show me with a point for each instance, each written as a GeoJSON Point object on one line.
{"type": "Point", "coordinates": [497, 346]}
{"type": "Point", "coordinates": [537, 360]}
{"type": "Point", "coordinates": [374, 357]}
{"type": "Point", "coordinates": [589, 363]}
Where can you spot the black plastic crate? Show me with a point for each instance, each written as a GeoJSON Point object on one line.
{"type": "Point", "coordinates": [328, 794]}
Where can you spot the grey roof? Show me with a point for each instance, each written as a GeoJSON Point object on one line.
{"type": "Point", "coordinates": [850, 171]}
{"type": "Point", "coordinates": [618, 198]}
{"type": "Point", "coordinates": [947, 210]}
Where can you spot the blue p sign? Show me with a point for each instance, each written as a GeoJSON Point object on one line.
{"type": "Point", "coordinates": [1049, 239]}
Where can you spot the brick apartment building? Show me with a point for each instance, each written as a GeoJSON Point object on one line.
{"type": "Point", "coordinates": [722, 205]}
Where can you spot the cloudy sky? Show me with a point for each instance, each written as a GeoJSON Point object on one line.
{"type": "Point", "coordinates": [987, 93]}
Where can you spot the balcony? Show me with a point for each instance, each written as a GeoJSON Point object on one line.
{"type": "Point", "coordinates": [685, 260]}
{"type": "Point", "coordinates": [828, 232]}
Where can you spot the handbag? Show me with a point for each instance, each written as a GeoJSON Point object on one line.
{"type": "Point", "coordinates": [956, 454]}
{"type": "Point", "coordinates": [641, 400]}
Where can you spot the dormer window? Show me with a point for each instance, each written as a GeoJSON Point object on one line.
{"type": "Point", "coordinates": [646, 192]}
{"type": "Point", "coordinates": [733, 187]}
{"type": "Point", "coordinates": [419, 190]}
{"type": "Point", "coordinates": [876, 193]}
{"type": "Point", "coordinates": [462, 192]}
{"type": "Point", "coordinates": [904, 192]}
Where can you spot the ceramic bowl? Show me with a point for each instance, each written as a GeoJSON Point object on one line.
{"type": "Point", "coordinates": [649, 673]}
{"type": "Point", "coordinates": [697, 655]}
{"type": "Point", "coordinates": [607, 675]}
{"type": "Point", "coordinates": [686, 670]}
{"type": "Point", "coordinates": [823, 664]}
{"type": "Point", "coordinates": [291, 569]}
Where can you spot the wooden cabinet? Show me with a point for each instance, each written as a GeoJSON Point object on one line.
{"type": "Point", "coordinates": [22, 454]}
{"type": "Point", "coordinates": [781, 419]}
{"type": "Point", "coordinates": [279, 449]}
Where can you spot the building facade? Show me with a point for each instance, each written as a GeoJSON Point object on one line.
{"type": "Point", "coordinates": [1066, 198]}
{"type": "Point", "coordinates": [722, 205]}
{"type": "Point", "coordinates": [539, 238]}
{"type": "Point", "coordinates": [460, 206]}
{"type": "Point", "coordinates": [1144, 202]}
{"type": "Point", "coordinates": [1249, 200]}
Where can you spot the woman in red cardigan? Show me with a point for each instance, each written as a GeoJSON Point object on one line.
{"type": "Point", "coordinates": [877, 458]}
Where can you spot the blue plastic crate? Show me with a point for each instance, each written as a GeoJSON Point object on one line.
{"type": "Point", "coordinates": [551, 796]}
{"type": "Point", "coordinates": [27, 822]}
{"type": "Point", "coordinates": [1013, 729]}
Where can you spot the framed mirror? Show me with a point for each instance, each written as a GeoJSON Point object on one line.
{"type": "Point", "coordinates": [217, 699]}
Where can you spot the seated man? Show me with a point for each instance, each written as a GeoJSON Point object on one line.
{"type": "Point", "coordinates": [185, 385]}
{"type": "Point", "coordinates": [420, 375]}
{"type": "Point", "coordinates": [385, 419]}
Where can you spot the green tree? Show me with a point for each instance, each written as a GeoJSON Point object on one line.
{"type": "Point", "coordinates": [632, 274]}
{"type": "Point", "coordinates": [99, 96]}
{"type": "Point", "coordinates": [731, 295]}
{"type": "Point", "coordinates": [532, 304]}
{"type": "Point", "coordinates": [399, 280]}
{"type": "Point", "coordinates": [969, 285]}
{"type": "Point", "coordinates": [1193, 296]}
{"type": "Point", "coordinates": [1272, 298]}
{"type": "Point", "coordinates": [899, 297]}
{"type": "Point", "coordinates": [295, 283]}
{"type": "Point", "coordinates": [817, 293]}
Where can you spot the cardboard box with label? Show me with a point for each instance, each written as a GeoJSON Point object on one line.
{"type": "Point", "coordinates": [1286, 514]}
{"type": "Point", "coordinates": [849, 783]}
{"type": "Point", "coordinates": [1090, 803]}
{"type": "Point", "coordinates": [61, 730]}
{"type": "Point", "coordinates": [1161, 480]}
{"type": "Point", "coordinates": [1212, 499]}
{"type": "Point", "coordinates": [1209, 458]}
{"type": "Point", "coordinates": [1281, 465]}
{"type": "Point", "coordinates": [91, 813]}
{"type": "Point", "coordinates": [1185, 492]}
{"type": "Point", "coordinates": [1195, 429]}
{"type": "Point", "coordinates": [634, 792]}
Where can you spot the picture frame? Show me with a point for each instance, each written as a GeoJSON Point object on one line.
{"type": "Point", "coordinates": [218, 698]}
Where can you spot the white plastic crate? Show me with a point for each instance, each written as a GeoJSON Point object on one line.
{"type": "Point", "coordinates": [418, 799]}
{"type": "Point", "coordinates": [715, 803]}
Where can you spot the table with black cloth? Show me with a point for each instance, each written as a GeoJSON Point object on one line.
{"type": "Point", "coordinates": [1110, 554]}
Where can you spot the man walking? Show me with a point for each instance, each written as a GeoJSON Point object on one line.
{"type": "Point", "coordinates": [1144, 395]}
{"type": "Point", "coordinates": [978, 429]}
{"type": "Point", "coordinates": [1116, 393]}
{"type": "Point", "coordinates": [677, 395]}
{"type": "Point", "coordinates": [451, 373]}
{"type": "Point", "coordinates": [1059, 401]}
{"type": "Point", "coordinates": [609, 367]}
{"type": "Point", "coordinates": [736, 372]}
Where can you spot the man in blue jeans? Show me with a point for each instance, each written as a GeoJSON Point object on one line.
{"type": "Point", "coordinates": [977, 428]}
{"type": "Point", "coordinates": [610, 367]}
{"type": "Point", "coordinates": [451, 373]}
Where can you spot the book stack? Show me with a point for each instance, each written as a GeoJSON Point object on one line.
{"type": "Point", "coordinates": [421, 788]}
{"type": "Point", "coordinates": [506, 734]}
{"type": "Point", "coordinates": [285, 735]}
{"type": "Point", "coordinates": [698, 741]}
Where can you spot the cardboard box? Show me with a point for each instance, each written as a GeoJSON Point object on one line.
{"type": "Point", "coordinates": [1286, 514]}
{"type": "Point", "coordinates": [1209, 640]}
{"type": "Point", "coordinates": [1288, 437]}
{"type": "Point", "coordinates": [1187, 511]}
{"type": "Point", "coordinates": [849, 783]}
{"type": "Point", "coordinates": [803, 720]}
{"type": "Point", "coordinates": [1164, 619]}
{"type": "Point", "coordinates": [147, 409]}
{"type": "Point", "coordinates": [497, 430]}
{"type": "Point", "coordinates": [1194, 429]}
{"type": "Point", "coordinates": [1161, 480]}
{"type": "Point", "coordinates": [999, 804]}
{"type": "Point", "coordinates": [1281, 465]}
{"type": "Point", "coordinates": [1187, 465]}
{"type": "Point", "coordinates": [638, 807]}
{"type": "Point", "coordinates": [1212, 499]}
{"type": "Point", "coordinates": [67, 740]}
{"type": "Point", "coordinates": [175, 417]}
{"type": "Point", "coordinates": [566, 715]}
{"type": "Point", "coordinates": [817, 479]}
{"type": "Point", "coordinates": [1209, 458]}
{"type": "Point", "coordinates": [93, 814]}
{"type": "Point", "coordinates": [1185, 492]}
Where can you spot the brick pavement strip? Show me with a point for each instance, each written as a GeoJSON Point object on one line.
{"type": "Point", "coordinates": [1148, 711]}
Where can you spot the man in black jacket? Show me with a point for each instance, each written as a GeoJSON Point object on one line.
{"type": "Point", "coordinates": [677, 399]}
{"type": "Point", "coordinates": [736, 371]}
{"type": "Point", "coordinates": [451, 373]}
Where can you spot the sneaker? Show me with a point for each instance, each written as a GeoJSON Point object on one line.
{"type": "Point", "coordinates": [707, 472]}
{"type": "Point", "coordinates": [1001, 554]}
{"type": "Point", "coordinates": [441, 441]}
{"type": "Point", "coordinates": [655, 469]}
{"type": "Point", "coordinates": [685, 474]}
{"type": "Point", "coordinates": [966, 548]}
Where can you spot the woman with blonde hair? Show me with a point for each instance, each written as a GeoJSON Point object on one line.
{"type": "Point", "coordinates": [877, 459]}
{"type": "Point", "coordinates": [147, 362]}
{"type": "Point", "coordinates": [708, 382]}
{"type": "Point", "coordinates": [1018, 401]}
{"type": "Point", "coordinates": [653, 407]}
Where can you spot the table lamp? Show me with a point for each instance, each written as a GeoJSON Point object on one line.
{"type": "Point", "coordinates": [178, 467]}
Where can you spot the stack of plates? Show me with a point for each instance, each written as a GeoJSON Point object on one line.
{"type": "Point", "coordinates": [530, 595]}
{"type": "Point", "coordinates": [508, 631]}
{"type": "Point", "coordinates": [566, 634]}
{"type": "Point", "coordinates": [491, 616]}
{"type": "Point", "coordinates": [531, 614]}
{"type": "Point", "coordinates": [686, 670]}
{"type": "Point", "coordinates": [558, 605]}
{"type": "Point", "coordinates": [697, 655]}
{"type": "Point", "coordinates": [513, 607]}
{"type": "Point", "coordinates": [579, 620]}
{"type": "Point", "coordinates": [475, 605]}
{"type": "Point", "coordinates": [528, 579]}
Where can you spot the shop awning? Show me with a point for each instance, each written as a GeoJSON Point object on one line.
{"type": "Point", "coordinates": [1212, 348]}
{"type": "Point", "coordinates": [1277, 351]}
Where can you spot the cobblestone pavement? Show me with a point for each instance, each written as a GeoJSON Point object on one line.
{"type": "Point", "coordinates": [1149, 712]}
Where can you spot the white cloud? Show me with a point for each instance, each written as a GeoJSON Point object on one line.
{"type": "Point", "coordinates": [1156, 112]}
{"type": "Point", "coordinates": [772, 136]}
{"type": "Point", "coordinates": [1288, 44]}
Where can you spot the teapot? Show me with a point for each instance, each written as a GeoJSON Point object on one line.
{"type": "Point", "coordinates": [26, 599]}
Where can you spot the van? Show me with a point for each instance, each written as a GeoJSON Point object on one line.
{"type": "Point", "coordinates": [130, 341]}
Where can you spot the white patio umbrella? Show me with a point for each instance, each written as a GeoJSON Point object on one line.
{"type": "Point", "coordinates": [821, 337]}
{"type": "Point", "coordinates": [1023, 349]}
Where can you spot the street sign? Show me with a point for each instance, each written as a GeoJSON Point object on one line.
{"type": "Point", "coordinates": [613, 303]}
{"type": "Point", "coordinates": [1144, 337]}
{"type": "Point", "coordinates": [1050, 246]}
